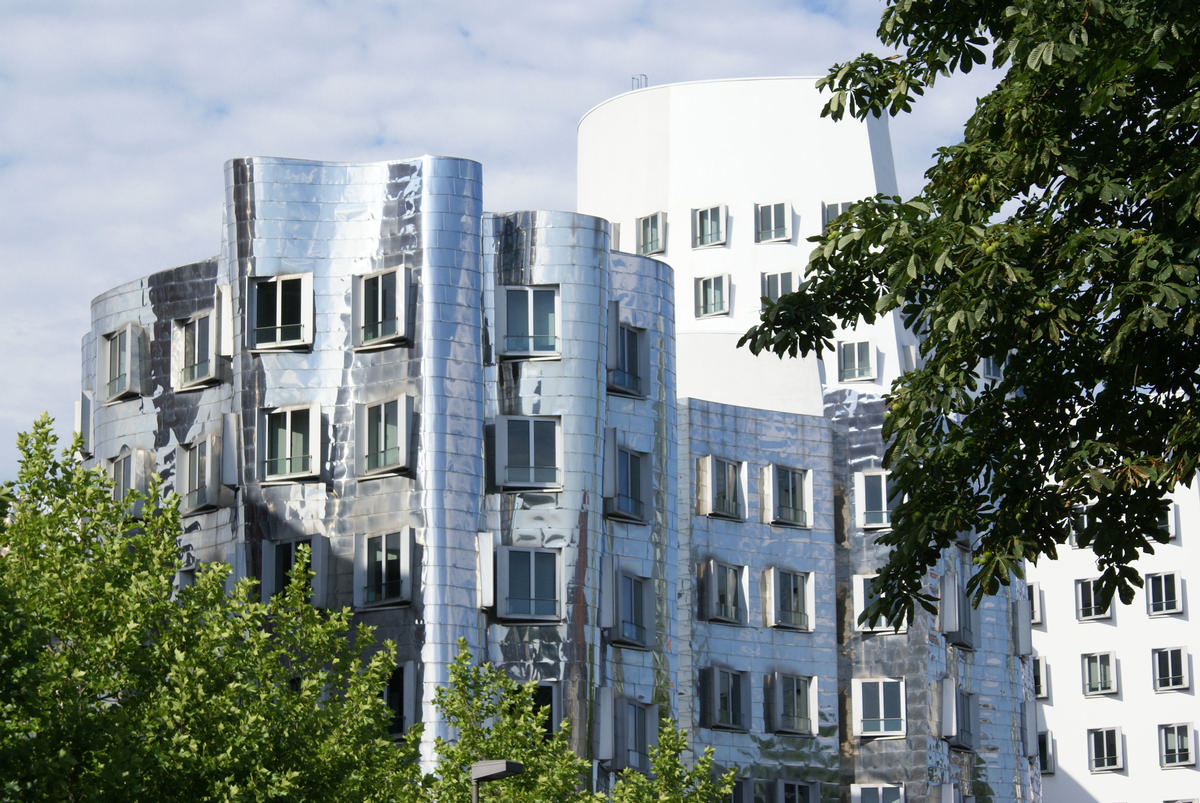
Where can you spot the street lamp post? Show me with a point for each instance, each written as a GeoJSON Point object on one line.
{"type": "Point", "coordinates": [483, 771]}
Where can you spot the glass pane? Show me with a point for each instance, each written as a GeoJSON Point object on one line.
{"type": "Point", "coordinates": [298, 456]}
{"type": "Point", "coordinates": [375, 568]}
{"type": "Point", "coordinates": [892, 705]}
{"type": "Point", "coordinates": [545, 451]}
{"type": "Point", "coordinates": [545, 580]}
{"type": "Point", "coordinates": [519, 582]}
{"type": "Point", "coordinates": [870, 703]}
{"type": "Point", "coordinates": [290, 306]}
{"type": "Point", "coordinates": [517, 321]}
{"type": "Point", "coordinates": [519, 456]}
{"type": "Point", "coordinates": [392, 578]}
{"type": "Point", "coordinates": [874, 509]}
{"type": "Point", "coordinates": [265, 313]}
{"type": "Point", "coordinates": [277, 443]}
{"type": "Point", "coordinates": [543, 320]}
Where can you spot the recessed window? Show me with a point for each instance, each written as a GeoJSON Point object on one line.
{"type": "Point", "coordinates": [725, 596]}
{"type": "Point", "coordinates": [121, 357]}
{"type": "Point", "coordinates": [527, 452]}
{"type": "Point", "coordinates": [626, 363]}
{"type": "Point", "coordinates": [880, 707]}
{"type": "Point", "coordinates": [291, 443]}
{"type": "Point", "coordinates": [708, 226]}
{"type": "Point", "coordinates": [719, 488]}
{"type": "Point", "coordinates": [629, 500]}
{"type": "Point", "coordinates": [380, 312]}
{"type": "Point", "coordinates": [958, 714]}
{"type": "Point", "coordinates": [195, 351]}
{"type": "Point", "coordinates": [528, 321]}
{"type": "Point", "coordinates": [636, 731]}
{"type": "Point", "coordinates": [279, 561]}
{"type": "Point", "coordinates": [726, 702]}
{"type": "Point", "coordinates": [1035, 602]}
{"type": "Point", "coordinates": [199, 466]}
{"type": "Point", "coordinates": [1041, 680]}
{"type": "Point", "coordinates": [856, 361]}
{"type": "Point", "coordinates": [401, 699]}
{"type": "Point", "coordinates": [876, 794]}
{"type": "Point", "coordinates": [772, 223]}
{"type": "Point", "coordinates": [864, 596]}
{"type": "Point", "coordinates": [530, 578]}
{"type": "Point", "coordinates": [789, 491]}
{"type": "Point", "coordinates": [1088, 601]}
{"type": "Point", "coordinates": [789, 703]}
{"type": "Point", "coordinates": [1163, 594]}
{"type": "Point", "coordinates": [281, 312]}
{"type": "Point", "coordinates": [383, 568]}
{"type": "Point", "coordinates": [383, 436]}
{"type": "Point", "coordinates": [130, 471]}
{"type": "Point", "coordinates": [791, 593]}
{"type": "Point", "coordinates": [1175, 745]}
{"type": "Point", "coordinates": [1170, 669]}
{"type": "Point", "coordinates": [635, 608]}
{"type": "Point", "coordinates": [1045, 752]}
{"type": "Point", "coordinates": [1105, 750]}
{"type": "Point", "coordinates": [829, 211]}
{"type": "Point", "coordinates": [712, 296]}
{"type": "Point", "coordinates": [875, 504]}
{"type": "Point", "coordinates": [651, 233]}
{"type": "Point", "coordinates": [775, 285]}
{"type": "Point", "coordinates": [991, 370]}
{"type": "Point", "coordinates": [1099, 673]}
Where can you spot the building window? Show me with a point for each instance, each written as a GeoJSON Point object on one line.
{"type": "Point", "coordinates": [726, 488]}
{"type": "Point", "coordinates": [726, 597]}
{"type": "Point", "coordinates": [880, 704]}
{"type": "Point", "coordinates": [864, 596]}
{"type": "Point", "coordinates": [130, 471]}
{"type": "Point", "coordinates": [790, 492]}
{"type": "Point", "coordinates": [789, 703]}
{"type": "Point", "coordinates": [727, 694]}
{"type": "Point", "coordinates": [651, 233]}
{"type": "Point", "coordinates": [1035, 602]}
{"type": "Point", "coordinates": [1175, 745]}
{"type": "Point", "coordinates": [875, 492]}
{"type": "Point", "coordinates": [991, 370]}
{"type": "Point", "coordinates": [962, 732]}
{"type": "Point", "coordinates": [792, 792]}
{"type": "Point", "coordinates": [530, 578]}
{"type": "Point", "coordinates": [1170, 669]}
{"type": "Point", "coordinates": [1045, 753]}
{"type": "Point", "coordinates": [856, 361]}
{"type": "Point", "coordinates": [196, 354]}
{"type": "Point", "coordinates": [625, 369]}
{"type": "Point", "coordinates": [1089, 604]}
{"type": "Point", "coordinates": [772, 223]}
{"type": "Point", "coordinates": [400, 697]}
{"type": "Point", "coordinates": [387, 568]}
{"type": "Point", "coordinates": [775, 285]}
{"type": "Point", "coordinates": [279, 560]}
{"type": "Point", "coordinates": [829, 211]}
{"type": "Point", "coordinates": [282, 312]}
{"type": "Point", "coordinates": [628, 502]}
{"type": "Point", "coordinates": [636, 729]}
{"type": "Point", "coordinates": [199, 467]}
{"type": "Point", "coordinates": [790, 591]}
{"type": "Point", "coordinates": [122, 472]}
{"type": "Point", "coordinates": [291, 443]}
{"type": "Point", "coordinates": [1162, 594]}
{"type": "Point", "coordinates": [381, 307]}
{"type": "Point", "coordinates": [383, 436]}
{"type": "Point", "coordinates": [635, 607]}
{"type": "Point", "coordinates": [1104, 749]}
{"type": "Point", "coordinates": [1041, 680]}
{"type": "Point", "coordinates": [712, 296]}
{"type": "Point", "coordinates": [876, 794]}
{"type": "Point", "coordinates": [527, 452]}
{"type": "Point", "coordinates": [529, 321]}
{"type": "Point", "coordinates": [708, 226]}
{"type": "Point", "coordinates": [121, 358]}
{"type": "Point", "coordinates": [1099, 673]}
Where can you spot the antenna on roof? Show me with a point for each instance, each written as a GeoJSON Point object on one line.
{"type": "Point", "coordinates": [640, 81]}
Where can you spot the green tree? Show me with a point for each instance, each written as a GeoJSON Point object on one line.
{"type": "Point", "coordinates": [117, 686]}
{"type": "Point", "coordinates": [670, 780]}
{"type": "Point", "coordinates": [1059, 239]}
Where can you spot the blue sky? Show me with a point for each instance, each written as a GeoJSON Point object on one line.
{"type": "Point", "coordinates": [116, 117]}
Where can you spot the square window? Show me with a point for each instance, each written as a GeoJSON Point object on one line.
{"type": "Point", "coordinates": [1045, 753]}
{"type": "Point", "coordinates": [1163, 594]}
{"type": "Point", "coordinates": [121, 358]}
{"type": "Point", "coordinates": [1175, 745]}
{"type": "Point", "coordinates": [1105, 752]}
{"type": "Point", "coordinates": [772, 223]}
{"type": "Point", "coordinates": [789, 703]}
{"type": "Point", "coordinates": [1170, 669]}
{"type": "Point", "coordinates": [791, 593]}
{"type": "Point", "coordinates": [790, 492]}
{"type": "Point", "coordinates": [626, 370]}
{"type": "Point", "coordinates": [856, 361]}
{"type": "Point", "coordinates": [829, 211]}
{"type": "Point", "coordinates": [195, 351]}
{"type": "Point", "coordinates": [291, 443]}
{"type": "Point", "coordinates": [1041, 680]}
{"type": "Point", "coordinates": [708, 226]}
{"type": "Point", "coordinates": [384, 569]}
{"type": "Point", "coordinates": [1088, 601]}
{"type": "Point", "coordinates": [880, 704]}
{"type": "Point", "coordinates": [629, 499]}
{"type": "Point", "coordinates": [775, 285]}
{"type": "Point", "coordinates": [864, 596]}
{"type": "Point", "coordinates": [281, 312]}
{"type": "Point", "coordinates": [875, 492]}
{"type": "Point", "coordinates": [529, 321]}
{"type": "Point", "coordinates": [651, 234]}
{"type": "Point", "coordinates": [712, 296]}
{"type": "Point", "coordinates": [726, 598]}
{"type": "Point", "coordinates": [527, 452]}
{"type": "Point", "coordinates": [727, 697]}
{"type": "Point", "coordinates": [1099, 673]}
{"type": "Point", "coordinates": [383, 436]}
{"type": "Point", "coordinates": [381, 307]}
{"type": "Point", "coordinates": [531, 584]}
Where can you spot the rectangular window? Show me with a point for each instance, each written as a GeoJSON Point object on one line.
{"type": "Point", "coordinates": [385, 564]}
{"type": "Point", "coordinates": [726, 598]}
{"type": "Point", "coordinates": [401, 699]}
{"type": "Point", "coordinates": [196, 477]}
{"type": "Point", "coordinates": [856, 361]}
{"type": "Point", "coordinates": [772, 222]}
{"type": "Point", "coordinates": [1041, 681]}
{"type": "Point", "coordinates": [282, 312]}
{"type": "Point", "coordinates": [1089, 604]}
{"type": "Point", "coordinates": [775, 285]}
{"type": "Point", "coordinates": [726, 488]}
{"type": "Point", "coordinates": [291, 443]}
{"type": "Point", "coordinates": [625, 373]}
{"type": "Point", "coordinates": [529, 321]}
{"type": "Point", "coordinates": [1035, 602]}
{"type": "Point", "coordinates": [122, 475]}
{"type": "Point", "coordinates": [964, 715]}
{"type": "Point", "coordinates": [197, 355]}
{"type": "Point", "coordinates": [383, 436]}
{"type": "Point", "coordinates": [880, 704]}
{"type": "Point", "coordinates": [876, 794]}
{"type": "Point", "coordinates": [651, 233]}
{"type": "Point", "coordinates": [864, 597]}
{"type": "Point", "coordinates": [712, 296]}
{"type": "Point", "coordinates": [1104, 749]}
{"type": "Point", "coordinates": [628, 502]}
{"type": "Point", "coordinates": [1175, 745]}
{"type": "Point", "coordinates": [635, 731]}
{"type": "Point", "coordinates": [1099, 673]}
{"type": "Point", "coordinates": [791, 599]}
{"type": "Point", "coordinates": [829, 211]}
{"type": "Point", "coordinates": [527, 452]}
{"type": "Point", "coordinates": [875, 491]}
{"type": "Point", "coordinates": [790, 491]}
{"type": "Point", "coordinates": [732, 688]}
{"type": "Point", "coordinates": [120, 363]}
{"type": "Point", "coordinates": [531, 589]}
{"type": "Point", "coordinates": [1162, 594]}
{"type": "Point", "coordinates": [1045, 753]}
{"type": "Point", "coordinates": [635, 606]}
{"type": "Point", "coordinates": [791, 792]}
{"type": "Point", "coordinates": [285, 560]}
{"type": "Point", "coordinates": [381, 307]}
{"type": "Point", "coordinates": [789, 703]}
{"type": "Point", "coordinates": [1170, 669]}
{"type": "Point", "coordinates": [708, 226]}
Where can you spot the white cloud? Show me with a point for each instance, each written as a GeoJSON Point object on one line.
{"type": "Point", "coordinates": [119, 116]}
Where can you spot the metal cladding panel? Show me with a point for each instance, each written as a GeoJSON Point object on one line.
{"type": "Point", "coordinates": [756, 440]}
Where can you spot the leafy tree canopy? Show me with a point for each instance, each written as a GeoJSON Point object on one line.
{"type": "Point", "coordinates": [1058, 240]}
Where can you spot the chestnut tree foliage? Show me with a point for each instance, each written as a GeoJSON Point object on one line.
{"type": "Point", "coordinates": [1058, 240]}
